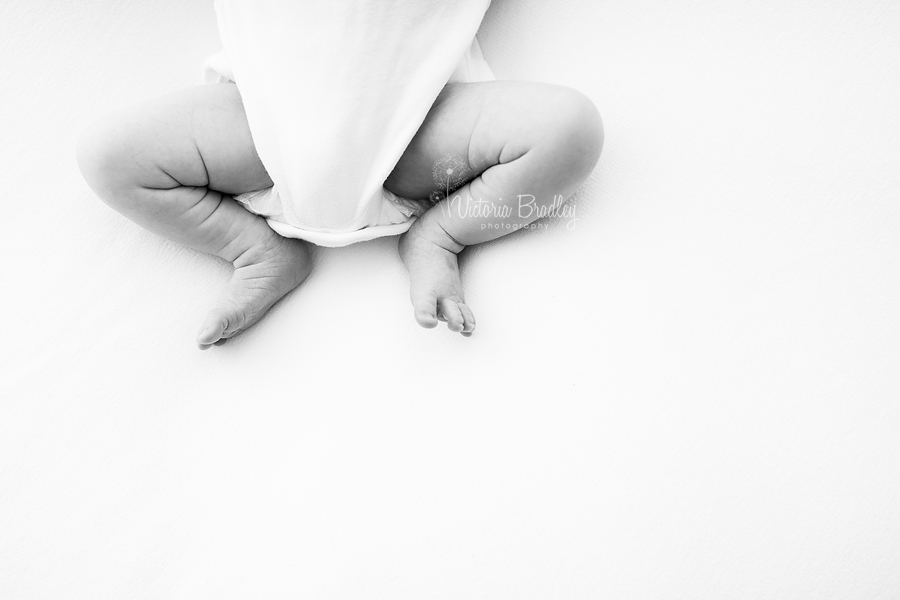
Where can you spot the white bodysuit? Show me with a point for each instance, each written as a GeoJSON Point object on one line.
{"type": "Point", "coordinates": [334, 91]}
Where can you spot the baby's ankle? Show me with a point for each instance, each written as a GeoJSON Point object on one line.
{"type": "Point", "coordinates": [431, 229]}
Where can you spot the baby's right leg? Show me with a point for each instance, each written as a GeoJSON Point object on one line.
{"type": "Point", "coordinates": [171, 165]}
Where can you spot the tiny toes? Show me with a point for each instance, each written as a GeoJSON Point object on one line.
{"type": "Point", "coordinates": [215, 330]}
{"type": "Point", "coordinates": [468, 318]}
{"type": "Point", "coordinates": [426, 310]}
{"type": "Point", "coordinates": [425, 319]}
{"type": "Point", "coordinates": [451, 312]}
{"type": "Point", "coordinates": [211, 332]}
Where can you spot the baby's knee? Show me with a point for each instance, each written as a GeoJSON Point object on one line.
{"type": "Point", "coordinates": [577, 130]}
{"type": "Point", "coordinates": [99, 153]}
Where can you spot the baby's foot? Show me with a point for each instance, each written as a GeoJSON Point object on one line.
{"type": "Point", "coordinates": [434, 286]}
{"type": "Point", "coordinates": [262, 276]}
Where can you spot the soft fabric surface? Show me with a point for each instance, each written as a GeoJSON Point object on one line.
{"type": "Point", "coordinates": [334, 91]}
{"type": "Point", "coordinates": [691, 391]}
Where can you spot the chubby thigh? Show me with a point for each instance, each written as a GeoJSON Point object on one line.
{"type": "Point", "coordinates": [474, 126]}
{"type": "Point", "coordinates": [195, 137]}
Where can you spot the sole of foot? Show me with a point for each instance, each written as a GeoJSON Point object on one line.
{"type": "Point", "coordinates": [262, 276]}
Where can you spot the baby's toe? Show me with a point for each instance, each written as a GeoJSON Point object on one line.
{"type": "Point", "coordinates": [450, 310]}
{"type": "Point", "coordinates": [210, 333]}
{"type": "Point", "coordinates": [220, 324]}
{"type": "Point", "coordinates": [468, 320]}
{"type": "Point", "coordinates": [425, 309]}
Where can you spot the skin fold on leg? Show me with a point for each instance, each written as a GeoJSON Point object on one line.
{"type": "Point", "coordinates": [172, 165]}
{"type": "Point", "coordinates": [523, 149]}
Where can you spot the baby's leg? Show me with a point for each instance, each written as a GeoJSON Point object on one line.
{"type": "Point", "coordinates": [171, 165]}
{"type": "Point", "coordinates": [513, 139]}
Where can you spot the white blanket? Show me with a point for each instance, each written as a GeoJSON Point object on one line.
{"type": "Point", "coordinates": [334, 91]}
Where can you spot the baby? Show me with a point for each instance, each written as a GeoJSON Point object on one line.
{"type": "Point", "coordinates": [487, 157]}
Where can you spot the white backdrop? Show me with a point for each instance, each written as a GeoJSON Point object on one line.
{"type": "Point", "coordinates": [692, 392]}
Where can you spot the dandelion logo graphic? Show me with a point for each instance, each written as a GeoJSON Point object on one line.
{"type": "Point", "coordinates": [450, 173]}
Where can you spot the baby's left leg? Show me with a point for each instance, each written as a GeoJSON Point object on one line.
{"type": "Point", "coordinates": [522, 147]}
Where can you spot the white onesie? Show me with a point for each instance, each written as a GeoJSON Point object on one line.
{"type": "Point", "coordinates": [334, 91]}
